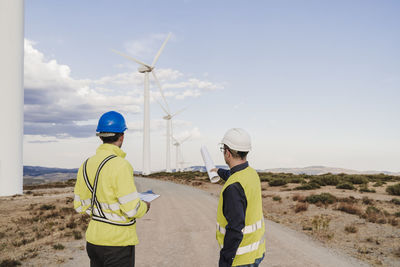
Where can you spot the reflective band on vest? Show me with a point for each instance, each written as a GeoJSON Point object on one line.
{"type": "Point", "coordinates": [246, 230]}
{"type": "Point", "coordinates": [249, 248]}
{"type": "Point", "coordinates": [96, 211]}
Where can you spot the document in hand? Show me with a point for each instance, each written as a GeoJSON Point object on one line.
{"type": "Point", "coordinates": [148, 196]}
{"type": "Point", "coordinates": [209, 165]}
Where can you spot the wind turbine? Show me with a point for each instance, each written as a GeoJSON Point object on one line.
{"type": "Point", "coordinates": [146, 69]}
{"type": "Point", "coordinates": [179, 152]}
{"type": "Point", "coordinates": [168, 118]}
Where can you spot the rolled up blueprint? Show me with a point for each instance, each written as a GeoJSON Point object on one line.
{"type": "Point", "coordinates": [209, 165]}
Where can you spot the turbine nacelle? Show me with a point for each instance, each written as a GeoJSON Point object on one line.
{"type": "Point", "coordinates": [168, 117]}
{"type": "Point", "coordinates": [144, 69]}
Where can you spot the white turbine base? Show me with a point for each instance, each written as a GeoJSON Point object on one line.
{"type": "Point", "coordinates": [12, 99]}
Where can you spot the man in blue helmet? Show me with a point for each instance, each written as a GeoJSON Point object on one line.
{"type": "Point", "coordinates": [105, 189]}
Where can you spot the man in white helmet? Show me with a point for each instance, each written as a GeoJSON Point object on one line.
{"type": "Point", "coordinates": [240, 220]}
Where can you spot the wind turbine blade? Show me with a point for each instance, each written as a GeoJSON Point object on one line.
{"type": "Point", "coordinates": [161, 90]}
{"type": "Point", "coordinates": [175, 139]}
{"type": "Point", "coordinates": [131, 58]}
{"type": "Point", "coordinates": [159, 51]}
{"type": "Point", "coordinates": [187, 138]}
{"type": "Point", "coordinates": [178, 112]}
{"type": "Point", "coordinates": [162, 107]}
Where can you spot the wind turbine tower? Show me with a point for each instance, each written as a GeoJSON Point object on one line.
{"type": "Point", "coordinates": [12, 97]}
{"type": "Point", "coordinates": [146, 69]}
{"type": "Point", "coordinates": [168, 118]}
{"type": "Point", "coordinates": [178, 144]}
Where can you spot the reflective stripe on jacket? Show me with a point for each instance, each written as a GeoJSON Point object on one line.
{"type": "Point", "coordinates": [117, 201]}
{"type": "Point", "coordinates": [252, 246]}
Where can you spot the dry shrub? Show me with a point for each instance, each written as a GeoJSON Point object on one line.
{"type": "Point", "coordinates": [364, 250]}
{"type": "Point", "coordinates": [374, 215]}
{"type": "Point", "coordinates": [367, 201]}
{"type": "Point", "coordinates": [323, 198]}
{"type": "Point", "coordinates": [53, 214]}
{"type": "Point", "coordinates": [299, 198]}
{"type": "Point", "coordinates": [393, 221]}
{"type": "Point", "coordinates": [67, 210]}
{"type": "Point", "coordinates": [276, 198]}
{"type": "Point", "coordinates": [47, 207]}
{"type": "Point", "coordinates": [22, 242]}
{"type": "Point", "coordinates": [320, 225]}
{"type": "Point", "coordinates": [396, 252]}
{"type": "Point", "coordinates": [393, 189]}
{"type": "Point", "coordinates": [351, 229]}
{"type": "Point", "coordinates": [9, 263]}
{"type": "Point", "coordinates": [69, 200]}
{"type": "Point", "coordinates": [71, 224]}
{"type": "Point", "coordinates": [77, 235]}
{"type": "Point", "coordinates": [300, 207]}
{"type": "Point", "coordinates": [349, 208]}
{"type": "Point", "coordinates": [58, 247]}
{"type": "Point", "coordinates": [349, 199]}
{"type": "Point", "coordinates": [196, 183]}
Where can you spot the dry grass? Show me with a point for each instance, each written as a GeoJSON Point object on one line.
{"type": "Point", "coordinates": [35, 225]}
{"type": "Point", "coordinates": [300, 207]}
{"type": "Point", "coordinates": [349, 208]}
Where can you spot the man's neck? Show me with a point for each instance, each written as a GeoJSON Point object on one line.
{"type": "Point", "coordinates": [236, 162]}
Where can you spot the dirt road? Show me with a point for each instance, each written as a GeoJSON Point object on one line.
{"type": "Point", "coordinates": [179, 231]}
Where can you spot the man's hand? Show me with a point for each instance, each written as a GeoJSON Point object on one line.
{"type": "Point", "coordinates": [148, 206]}
{"type": "Point", "coordinates": [214, 170]}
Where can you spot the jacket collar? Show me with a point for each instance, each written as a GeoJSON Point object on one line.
{"type": "Point", "coordinates": [111, 148]}
{"type": "Point", "coordinates": [239, 167]}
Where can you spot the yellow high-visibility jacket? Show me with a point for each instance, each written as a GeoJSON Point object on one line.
{"type": "Point", "coordinates": [252, 246]}
{"type": "Point", "coordinates": [116, 204]}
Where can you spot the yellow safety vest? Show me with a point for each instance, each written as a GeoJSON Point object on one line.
{"type": "Point", "coordinates": [252, 246]}
{"type": "Point", "coordinates": [105, 190]}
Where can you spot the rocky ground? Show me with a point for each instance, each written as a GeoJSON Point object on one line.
{"type": "Point", "coordinates": [42, 225]}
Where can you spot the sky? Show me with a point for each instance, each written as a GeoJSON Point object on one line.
{"type": "Point", "coordinates": [312, 82]}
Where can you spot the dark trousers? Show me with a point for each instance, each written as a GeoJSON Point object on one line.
{"type": "Point", "coordinates": [107, 256]}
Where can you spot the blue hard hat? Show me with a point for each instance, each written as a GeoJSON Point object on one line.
{"type": "Point", "coordinates": [111, 122]}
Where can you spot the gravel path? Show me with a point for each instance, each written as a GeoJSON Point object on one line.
{"type": "Point", "coordinates": [179, 231]}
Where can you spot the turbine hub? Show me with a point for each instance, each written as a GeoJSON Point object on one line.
{"type": "Point", "coordinates": [144, 69]}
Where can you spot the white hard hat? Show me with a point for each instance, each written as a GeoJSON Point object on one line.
{"type": "Point", "coordinates": [237, 139]}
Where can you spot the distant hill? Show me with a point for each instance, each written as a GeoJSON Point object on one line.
{"type": "Point", "coordinates": [317, 170]}
{"type": "Point", "coordinates": [41, 175]}
{"type": "Point", "coordinates": [38, 175]}
{"type": "Point", "coordinates": [202, 168]}
{"type": "Point", "coordinates": [37, 171]}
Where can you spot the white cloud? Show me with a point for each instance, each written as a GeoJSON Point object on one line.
{"type": "Point", "coordinates": [56, 103]}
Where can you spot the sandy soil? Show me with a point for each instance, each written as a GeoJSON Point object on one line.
{"type": "Point", "coordinates": [179, 230]}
